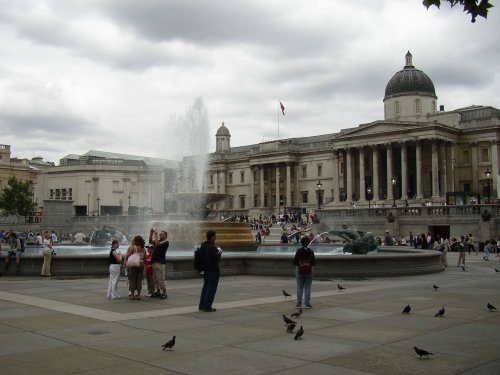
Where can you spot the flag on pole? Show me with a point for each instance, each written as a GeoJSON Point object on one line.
{"type": "Point", "coordinates": [282, 108]}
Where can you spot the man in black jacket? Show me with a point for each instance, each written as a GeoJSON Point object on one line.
{"type": "Point", "coordinates": [159, 240]}
{"type": "Point", "coordinates": [210, 255]}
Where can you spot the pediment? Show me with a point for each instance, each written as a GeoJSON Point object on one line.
{"type": "Point", "coordinates": [379, 128]}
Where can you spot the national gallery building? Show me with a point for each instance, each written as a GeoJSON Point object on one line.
{"type": "Point", "coordinates": [418, 155]}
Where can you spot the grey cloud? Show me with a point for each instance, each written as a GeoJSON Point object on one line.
{"type": "Point", "coordinates": [56, 126]}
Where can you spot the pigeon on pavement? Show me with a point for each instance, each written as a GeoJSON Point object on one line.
{"type": "Point", "coordinates": [440, 312]}
{"type": "Point", "coordinates": [169, 344]}
{"type": "Point", "coordinates": [422, 352]}
{"type": "Point", "coordinates": [491, 307]}
{"type": "Point", "coordinates": [287, 320]}
{"type": "Point", "coordinates": [297, 314]}
{"type": "Point", "coordinates": [290, 327]}
{"type": "Point", "coordinates": [299, 333]}
{"type": "Point", "coordinates": [285, 293]}
{"type": "Point", "coordinates": [406, 310]}
{"type": "Point", "coordinates": [435, 287]}
{"type": "Point", "coordinates": [340, 287]}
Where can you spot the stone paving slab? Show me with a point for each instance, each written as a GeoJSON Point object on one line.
{"type": "Point", "coordinates": [67, 326]}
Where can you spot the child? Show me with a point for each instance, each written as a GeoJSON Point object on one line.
{"type": "Point", "coordinates": [148, 268]}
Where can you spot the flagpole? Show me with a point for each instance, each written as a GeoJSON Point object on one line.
{"type": "Point", "coordinates": [279, 121]}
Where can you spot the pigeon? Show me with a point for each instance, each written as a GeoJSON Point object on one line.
{"type": "Point", "coordinates": [287, 320]}
{"type": "Point", "coordinates": [435, 287]}
{"type": "Point", "coordinates": [299, 333]}
{"type": "Point", "coordinates": [341, 288]}
{"type": "Point", "coordinates": [290, 327]}
{"type": "Point", "coordinates": [463, 268]}
{"type": "Point", "coordinates": [406, 310]}
{"type": "Point", "coordinates": [497, 270]}
{"type": "Point", "coordinates": [491, 307]}
{"type": "Point", "coordinates": [297, 314]}
{"type": "Point", "coordinates": [285, 293]}
{"type": "Point", "coordinates": [440, 312]}
{"type": "Point", "coordinates": [169, 344]}
{"type": "Point", "coordinates": [422, 352]}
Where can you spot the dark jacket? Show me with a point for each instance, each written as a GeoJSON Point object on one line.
{"type": "Point", "coordinates": [211, 256]}
{"type": "Point", "coordinates": [159, 253]}
{"type": "Point", "coordinates": [304, 253]}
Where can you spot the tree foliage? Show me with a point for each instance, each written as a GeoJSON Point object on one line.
{"type": "Point", "coordinates": [16, 198]}
{"type": "Point", "coordinates": [473, 7]}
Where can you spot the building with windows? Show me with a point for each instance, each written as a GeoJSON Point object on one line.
{"type": "Point", "coordinates": [417, 154]}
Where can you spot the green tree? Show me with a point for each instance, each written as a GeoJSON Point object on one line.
{"type": "Point", "coordinates": [473, 7]}
{"type": "Point", "coordinates": [17, 198]}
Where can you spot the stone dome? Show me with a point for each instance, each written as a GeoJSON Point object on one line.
{"type": "Point", "coordinates": [409, 81]}
{"type": "Point", "coordinates": [223, 131]}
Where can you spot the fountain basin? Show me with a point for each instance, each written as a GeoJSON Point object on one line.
{"type": "Point", "coordinates": [391, 261]}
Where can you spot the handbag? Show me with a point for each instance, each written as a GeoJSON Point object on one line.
{"type": "Point", "coordinates": [134, 260]}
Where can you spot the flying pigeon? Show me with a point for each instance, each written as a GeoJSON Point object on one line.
{"type": "Point", "coordinates": [440, 312]}
{"type": "Point", "coordinates": [169, 344]}
{"type": "Point", "coordinates": [422, 352]}
{"type": "Point", "coordinates": [299, 333]}
{"type": "Point", "coordinates": [406, 310]}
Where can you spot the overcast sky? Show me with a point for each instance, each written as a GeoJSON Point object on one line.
{"type": "Point", "coordinates": [111, 75]}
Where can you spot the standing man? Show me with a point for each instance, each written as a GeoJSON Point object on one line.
{"type": "Point", "coordinates": [158, 262]}
{"type": "Point", "coordinates": [210, 255]}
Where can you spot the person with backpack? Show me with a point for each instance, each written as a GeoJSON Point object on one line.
{"type": "Point", "coordinates": [209, 255]}
{"type": "Point", "coordinates": [304, 262]}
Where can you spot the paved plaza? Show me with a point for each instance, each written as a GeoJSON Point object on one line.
{"type": "Point", "coordinates": [67, 326]}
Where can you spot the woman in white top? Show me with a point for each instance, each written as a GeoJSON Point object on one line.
{"type": "Point", "coordinates": [47, 255]}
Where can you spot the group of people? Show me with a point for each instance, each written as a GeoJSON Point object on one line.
{"type": "Point", "coordinates": [15, 246]}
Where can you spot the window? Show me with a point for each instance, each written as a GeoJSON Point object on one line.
{"type": "Point", "coordinates": [242, 177]}
{"type": "Point", "coordinates": [211, 178]}
{"type": "Point", "coordinates": [51, 193]}
{"type": "Point", "coordinates": [304, 196]}
{"type": "Point", "coordinates": [230, 202]}
{"type": "Point", "coordinates": [256, 200]}
{"type": "Point", "coordinates": [485, 155]}
{"type": "Point", "coordinates": [70, 194]}
{"type": "Point", "coordinates": [304, 171]}
{"type": "Point", "coordinates": [320, 170]}
{"type": "Point", "coordinates": [265, 200]}
{"type": "Point", "coordinates": [396, 108]}
{"type": "Point", "coordinates": [58, 193]}
{"type": "Point", "coordinates": [63, 194]}
{"type": "Point", "coordinates": [418, 106]}
{"type": "Point", "coordinates": [242, 201]}
{"type": "Point", "coordinates": [230, 178]}
{"type": "Point", "coordinates": [467, 187]}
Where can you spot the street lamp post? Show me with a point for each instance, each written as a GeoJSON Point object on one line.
{"type": "Point", "coordinates": [369, 195]}
{"type": "Point", "coordinates": [393, 181]}
{"type": "Point", "coordinates": [319, 185]}
{"type": "Point", "coordinates": [98, 206]}
{"type": "Point", "coordinates": [88, 204]}
{"type": "Point", "coordinates": [488, 176]}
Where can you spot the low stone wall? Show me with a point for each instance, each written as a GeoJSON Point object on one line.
{"type": "Point", "coordinates": [393, 262]}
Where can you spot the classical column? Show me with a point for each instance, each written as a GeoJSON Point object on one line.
{"type": "Point", "coordinates": [418, 157]}
{"type": "Point", "coordinates": [288, 184]}
{"type": "Point", "coordinates": [216, 181]}
{"type": "Point", "coordinates": [389, 176]}
{"type": "Point", "coordinates": [278, 186]}
{"type": "Point", "coordinates": [442, 168]}
{"type": "Point", "coordinates": [474, 165]}
{"type": "Point", "coordinates": [261, 190]}
{"type": "Point", "coordinates": [348, 171]}
{"type": "Point", "coordinates": [435, 170]}
{"type": "Point", "coordinates": [362, 190]}
{"type": "Point", "coordinates": [454, 175]}
{"type": "Point", "coordinates": [223, 186]}
{"type": "Point", "coordinates": [375, 178]}
{"type": "Point", "coordinates": [494, 168]}
{"type": "Point", "coordinates": [335, 176]}
{"type": "Point", "coordinates": [253, 173]}
{"type": "Point", "coordinates": [404, 170]}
